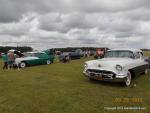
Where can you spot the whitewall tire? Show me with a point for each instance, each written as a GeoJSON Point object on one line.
{"type": "Point", "coordinates": [48, 62]}
{"type": "Point", "coordinates": [23, 65]}
{"type": "Point", "coordinates": [128, 80]}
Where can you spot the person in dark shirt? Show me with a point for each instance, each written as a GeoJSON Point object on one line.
{"type": "Point", "coordinates": [5, 60]}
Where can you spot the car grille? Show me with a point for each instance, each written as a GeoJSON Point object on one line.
{"type": "Point", "coordinates": [105, 74]}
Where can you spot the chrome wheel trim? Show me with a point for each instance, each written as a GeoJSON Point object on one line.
{"type": "Point", "coordinates": [23, 65]}
{"type": "Point", "coordinates": [48, 62]}
{"type": "Point", "coordinates": [128, 79]}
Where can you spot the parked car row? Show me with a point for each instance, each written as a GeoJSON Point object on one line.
{"type": "Point", "coordinates": [45, 57]}
{"type": "Point", "coordinates": [118, 65]}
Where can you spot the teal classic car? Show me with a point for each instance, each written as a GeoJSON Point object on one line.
{"type": "Point", "coordinates": [34, 58]}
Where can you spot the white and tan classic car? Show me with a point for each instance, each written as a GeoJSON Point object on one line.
{"type": "Point", "coordinates": [118, 65]}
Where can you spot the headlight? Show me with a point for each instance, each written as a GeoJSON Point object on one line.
{"type": "Point", "coordinates": [119, 67]}
{"type": "Point", "coordinates": [85, 65]}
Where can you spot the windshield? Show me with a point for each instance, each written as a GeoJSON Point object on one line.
{"type": "Point", "coordinates": [127, 54]}
{"type": "Point", "coordinates": [35, 54]}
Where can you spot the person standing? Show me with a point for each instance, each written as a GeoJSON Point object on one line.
{"type": "Point", "coordinates": [11, 60]}
{"type": "Point", "coordinates": [86, 54]}
{"type": "Point", "coordinates": [5, 60]}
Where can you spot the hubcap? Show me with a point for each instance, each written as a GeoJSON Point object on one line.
{"type": "Point", "coordinates": [48, 62]}
{"type": "Point", "coordinates": [22, 65]}
{"type": "Point", "coordinates": [128, 80]}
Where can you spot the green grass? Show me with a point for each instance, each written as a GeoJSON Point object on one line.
{"type": "Point", "coordinates": [147, 53]}
{"type": "Point", "coordinates": [62, 88]}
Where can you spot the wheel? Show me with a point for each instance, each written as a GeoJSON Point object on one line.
{"type": "Point", "coordinates": [127, 81]}
{"type": "Point", "coordinates": [23, 64]}
{"type": "Point", "coordinates": [48, 62]}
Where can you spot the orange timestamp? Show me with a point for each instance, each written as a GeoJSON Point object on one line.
{"type": "Point", "coordinates": [128, 100]}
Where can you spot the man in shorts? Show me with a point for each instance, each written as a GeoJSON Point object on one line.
{"type": "Point", "coordinates": [11, 60]}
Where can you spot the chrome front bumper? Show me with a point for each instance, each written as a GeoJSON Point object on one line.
{"type": "Point", "coordinates": [106, 76]}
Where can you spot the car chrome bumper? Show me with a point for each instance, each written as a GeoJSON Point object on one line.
{"type": "Point", "coordinates": [106, 77]}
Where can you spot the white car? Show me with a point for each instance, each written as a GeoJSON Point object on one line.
{"type": "Point", "coordinates": [118, 65]}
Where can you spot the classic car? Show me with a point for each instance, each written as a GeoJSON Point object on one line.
{"type": "Point", "coordinates": [74, 55]}
{"type": "Point", "coordinates": [34, 58]}
{"type": "Point", "coordinates": [64, 57]}
{"type": "Point", "coordinates": [71, 55]}
{"type": "Point", "coordinates": [118, 65]}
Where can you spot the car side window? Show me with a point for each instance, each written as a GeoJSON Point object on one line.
{"type": "Point", "coordinates": [42, 55]}
{"type": "Point", "coordinates": [141, 55]}
{"type": "Point", "coordinates": [131, 55]}
{"type": "Point", "coordinates": [37, 54]}
{"type": "Point", "coordinates": [137, 55]}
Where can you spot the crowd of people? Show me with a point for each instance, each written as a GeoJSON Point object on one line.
{"type": "Point", "coordinates": [87, 53]}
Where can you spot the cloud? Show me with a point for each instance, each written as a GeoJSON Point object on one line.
{"type": "Point", "coordinates": [62, 23]}
{"type": "Point", "coordinates": [13, 10]}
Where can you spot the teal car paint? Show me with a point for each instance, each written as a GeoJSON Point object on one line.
{"type": "Point", "coordinates": [34, 58]}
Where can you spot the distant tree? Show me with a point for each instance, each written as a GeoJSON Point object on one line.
{"type": "Point", "coordinates": [69, 49]}
{"type": "Point", "coordinates": [5, 49]}
{"type": "Point", "coordinates": [145, 49]}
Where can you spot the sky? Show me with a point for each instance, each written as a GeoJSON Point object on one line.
{"type": "Point", "coordinates": [44, 24]}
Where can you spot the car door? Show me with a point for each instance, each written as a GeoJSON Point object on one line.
{"type": "Point", "coordinates": [138, 63]}
{"type": "Point", "coordinates": [143, 63]}
{"type": "Point", "coordinates": [32, 59]}
{"type": "Point", "coordinates": [41, 58]}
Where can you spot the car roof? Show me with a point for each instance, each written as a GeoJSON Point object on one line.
{"type": "Point", "coordinates": [133, 50]}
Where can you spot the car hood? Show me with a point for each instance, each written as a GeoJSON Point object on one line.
{"type": "Point", "coordinates": [114, 61]}
{"type": "Point", "coordinates": [108, 63]}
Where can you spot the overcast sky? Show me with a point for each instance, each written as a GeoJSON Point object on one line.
{"type": "Point", "coordinates": [64, 23]}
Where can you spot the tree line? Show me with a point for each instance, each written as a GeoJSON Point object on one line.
{"type": "Point", "coordinates": [5, 49]}
{"type": "Point", "coordinates": [75, 48]}
{"type": "Point", "coordinates": [145, 49]}
{"type": "Point", "coordinates": [69, 49]}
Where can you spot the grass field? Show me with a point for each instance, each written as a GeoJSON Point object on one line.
{"type": "Point", "coordinates": [62, 88]}
{"type": "Point", "coordinates": [147, 53]}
